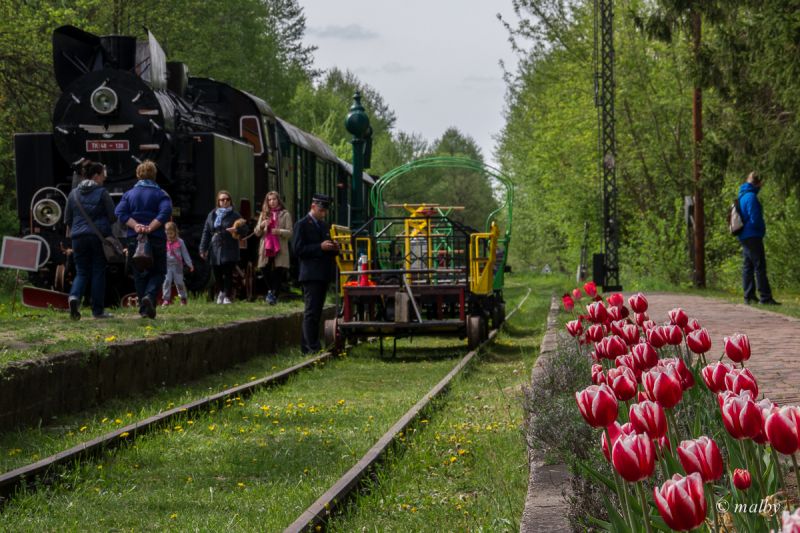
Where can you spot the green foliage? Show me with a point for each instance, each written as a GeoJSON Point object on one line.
{"type": "Point", "coordinates": [747, 68]}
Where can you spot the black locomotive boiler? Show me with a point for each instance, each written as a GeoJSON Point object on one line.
{"type": "Point", "coordinates": [121, 103]}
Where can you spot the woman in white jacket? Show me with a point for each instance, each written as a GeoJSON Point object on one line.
{"type": "Point", "coordinates": [275, 229]}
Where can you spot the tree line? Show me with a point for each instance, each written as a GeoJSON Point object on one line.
{"type": "Point", "coordinates": [263, 53]}
{"type": "Point", "coordinates": [747, 67]}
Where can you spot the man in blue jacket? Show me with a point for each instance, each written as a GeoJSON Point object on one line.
{"type": "Point", "coordinates": [752, 239]}
{"type": "Point", "coordinates": [316, 253]}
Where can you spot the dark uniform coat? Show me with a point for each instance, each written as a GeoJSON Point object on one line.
{"type": "Point", "coordinates": [315, 264]}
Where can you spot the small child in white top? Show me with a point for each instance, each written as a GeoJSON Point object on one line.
{"type": "Point", "coordinates": [177, 256]}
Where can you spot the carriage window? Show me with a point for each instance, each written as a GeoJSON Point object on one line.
{"type": "Point", "coordinates": [250, 132]}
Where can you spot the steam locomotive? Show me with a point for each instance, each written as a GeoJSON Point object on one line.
{"type": "Point", "coordinates": [122, 103]}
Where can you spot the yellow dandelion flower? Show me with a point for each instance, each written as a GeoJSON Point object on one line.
{"type": "Point", "coordinates": [99, 467]}
{"type": "Point", "coordinates": [82, 429]}
{"type": "Point", "coordinates": [252, 378]}
{"type": "Point", "coordinates": [104, 420]}
{"type": "Point", "coordinates": [173, 516]}
{"type": "Point", "coordinates": [124, 434]}
{"type": "Point", "coordinates": [413, 509]}
{"type": "Point", "coordinates": [190, 422]}
{"type": "Point", "coordinates": [453, 459]}
{"type": "Point", "coordinates": [318, 528]}
{"type": "Point", "coordinates": [118, 421]}
{"type": "Point", "coordinates": [240, 485]}
{"type": "Point", "coordinates": [340, 402]}
{"type": "Point", "coordinates": [189, 479]}
{"type": "Point", "coordinates": [212, 427]}
{"type": "Point", "coordinates": [111, 338]}
{"type": "Point", "coordinates": [462, 452]}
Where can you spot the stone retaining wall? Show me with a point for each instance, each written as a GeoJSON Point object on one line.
{"type": "Point", "coordinates": [37, 391]}
{"type": "Point", "coordinates": [544, 504]}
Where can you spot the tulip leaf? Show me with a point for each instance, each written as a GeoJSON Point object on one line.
{"type": "Point", "coordinates": [588, 470]}
{"type": "Point", "coordinates": [617, 522]}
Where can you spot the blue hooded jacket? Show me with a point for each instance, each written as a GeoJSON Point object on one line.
{"type": "Point", "coordinates": [752, 214]}
{"type": "Point", "coordinates": [98, 206]}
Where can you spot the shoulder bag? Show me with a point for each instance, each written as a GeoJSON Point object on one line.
{"type": "Point", "coordinates": [112, 248]}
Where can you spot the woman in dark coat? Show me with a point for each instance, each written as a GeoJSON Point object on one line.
{"type": "Point", "coordinates": [87, 248]}
{"type": "Point", "coordinates": [220, 243]}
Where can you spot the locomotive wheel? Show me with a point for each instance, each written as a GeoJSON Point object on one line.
{"type": "Point", "coordinates": [250, 281]}
{"type": "Point", "coordinates": [475, 331]}
{"type": "Point", "coordinates": [332, 336]}
{"type": "Point", "coordinates": [58, 284]}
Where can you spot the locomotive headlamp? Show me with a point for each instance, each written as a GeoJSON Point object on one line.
{"type": "Point", "coordinates": [47, 212]}
{"type": "Point", "coordinates": [104, 100]}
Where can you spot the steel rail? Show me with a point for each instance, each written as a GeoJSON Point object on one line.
{"type": "Point", "coordinates": [319, 511]}
{"type": "Point", "coordinates": [27, 474]}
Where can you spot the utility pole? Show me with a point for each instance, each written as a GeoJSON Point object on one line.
{"type": "Point", "coordinates": [608, 262]}
{"type": "Point", "coordinates": [697, 129]}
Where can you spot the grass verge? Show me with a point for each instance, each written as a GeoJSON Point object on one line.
{"type": "Point", "coordinates": [32, 333]}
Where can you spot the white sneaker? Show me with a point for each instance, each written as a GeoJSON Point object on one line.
{"type": "Point", "coordinates": [226, 301]}
{"type": "Point", "coordinates": [220, 296]}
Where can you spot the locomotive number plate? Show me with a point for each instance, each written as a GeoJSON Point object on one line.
{"type": "Point", "coordinates": [108, 146]}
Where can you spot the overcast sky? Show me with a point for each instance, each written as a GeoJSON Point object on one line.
{"type": "Point", "coordinates": [435, 62]}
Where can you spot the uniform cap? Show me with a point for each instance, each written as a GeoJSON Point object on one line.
{"type": "Point", "coordinates": [323, 200]}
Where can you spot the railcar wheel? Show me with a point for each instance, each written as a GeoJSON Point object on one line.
{"type": "Point", "coordinates": [498, 315]}
{"type": "Point", "coordinates": [332, 335]}
{"type": "Point", "coordinates": [475, 329]}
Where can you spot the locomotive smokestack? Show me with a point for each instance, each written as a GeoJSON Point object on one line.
{"type": "Point", "coordinates": [119, 51]}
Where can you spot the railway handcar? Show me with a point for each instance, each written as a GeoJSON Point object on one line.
{"type": "Point", "coordinates": [420, 271]}
{"type": "Point", "coordinates": [121, 103]}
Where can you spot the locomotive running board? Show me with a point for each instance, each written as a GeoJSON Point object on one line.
{"type": "Point", "coordinates": [44, 298]}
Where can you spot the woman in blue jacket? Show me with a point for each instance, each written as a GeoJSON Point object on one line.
{"type": "Point", "coordinates": [145, 209]}
{"type": "Point", "coordinates": [87, 248]}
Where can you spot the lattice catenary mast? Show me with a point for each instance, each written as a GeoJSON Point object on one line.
{"type": "Point", "coordinates": [606, 265]}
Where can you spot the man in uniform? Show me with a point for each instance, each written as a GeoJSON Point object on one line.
{"type": "Point", "coordinates": [315, 251]}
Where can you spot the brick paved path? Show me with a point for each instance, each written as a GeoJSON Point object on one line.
{"type": "Point", "coordinates": [774, 338]}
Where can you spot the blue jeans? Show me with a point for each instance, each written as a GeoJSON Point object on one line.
{"type": "Point", "coordinates": [149, 282]}
{"type": "Point", "coordinates": [755, 266]}
{"type": "Point", "coordinates": [90, 264]}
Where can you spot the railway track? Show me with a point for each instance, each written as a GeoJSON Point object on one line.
{"type": "Point", "coordinates": [316, 515]}
{"type": "Point", "coordinates": [42, 469]}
